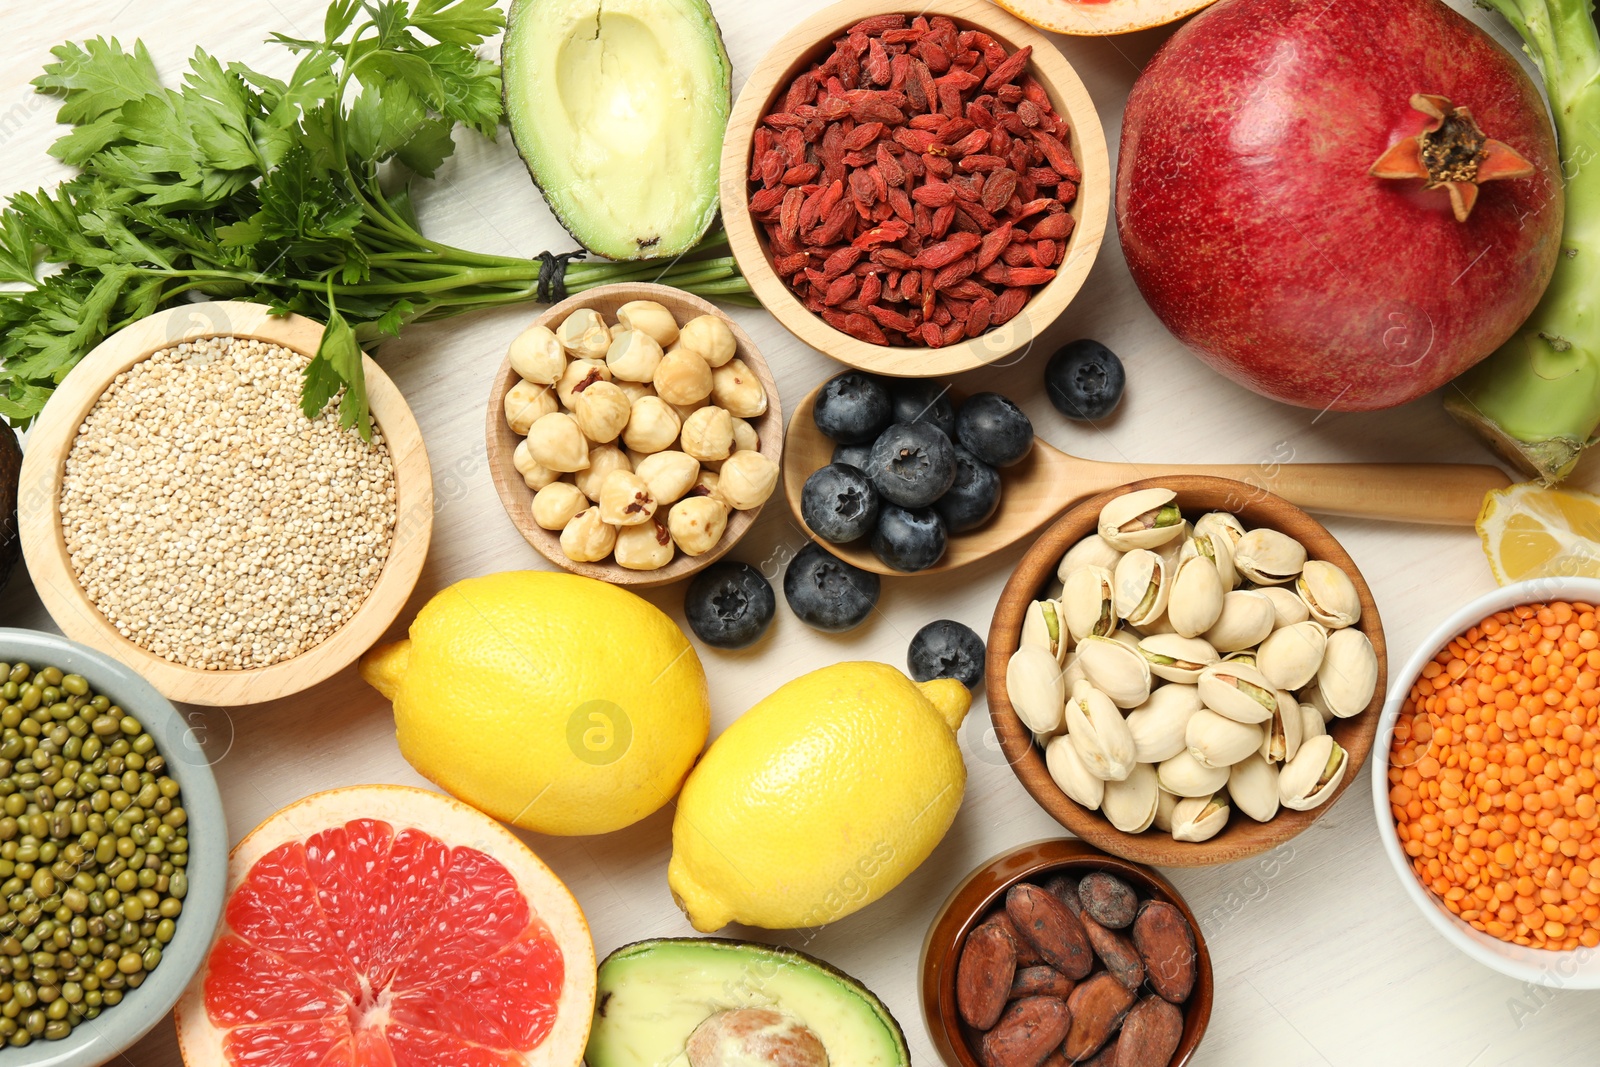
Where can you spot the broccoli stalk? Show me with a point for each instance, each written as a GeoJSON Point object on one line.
{"type": "Point", "coordinates": [1536, 399]}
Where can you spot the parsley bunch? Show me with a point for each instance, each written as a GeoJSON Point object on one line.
{"type": "Point", "coordinates": [291, 193]}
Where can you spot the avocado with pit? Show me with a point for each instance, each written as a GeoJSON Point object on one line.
{"type": "Point", "coordinates": [713, 1002]}
{"type": "Point", "coordinates": [618, 107]}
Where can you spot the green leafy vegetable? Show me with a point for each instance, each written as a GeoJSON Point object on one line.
{"type": "Point", "coordinates": [289, 192]}
{"type": "Point", "coordinates": [1537, 398]}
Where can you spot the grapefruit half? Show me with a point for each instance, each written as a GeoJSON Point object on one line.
{"type": "Point", "coordinates": [385, 926]}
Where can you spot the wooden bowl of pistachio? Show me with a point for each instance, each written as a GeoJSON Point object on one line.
{"type": "Point", "coordinates": [634, 433]}
{"type": "Point", "coordinates": [1186, 671]}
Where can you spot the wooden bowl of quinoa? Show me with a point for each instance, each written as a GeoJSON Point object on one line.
{"type": "Point", "coordinates": [179, 512]}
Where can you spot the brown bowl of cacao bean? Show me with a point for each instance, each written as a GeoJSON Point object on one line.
{"type": "Point", "coordinates": [1057, 953]}
{"type": "Point", "coordinates": [915, 189]}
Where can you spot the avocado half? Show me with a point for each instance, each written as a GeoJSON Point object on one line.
{"type": "Point", "coordinates": [10, 472]}
{"type": "Point", "coordinates": [653, 994]}
{"type": "Point", "coordinates": [618, 107]}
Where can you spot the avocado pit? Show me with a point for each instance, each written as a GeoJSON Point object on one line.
{"type": "Point", "coordinates": [755, 1037]}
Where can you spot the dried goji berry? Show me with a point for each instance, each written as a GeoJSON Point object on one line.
{"type": "Point", "coordinates": [889, 166]}
{"type": "Point", "coordinates": [1008, 68]}
{"type": "Point", "coordinates": [942, 220]}
{"type": "Point", "coordinates": [864, 329]}
{"type": "Point", "coordinates": [997, 189]}
{"type": "Point", "coordinates": [863, 135]}
{"type": "Point", "coordinates": [946, 252]}
{"type": "Point", "coordinates": [1052, 227]}
{"type": "Point", "coordinates": [1007, 305]}
{"type": "Point", "coordinates": [879, 24]}
{"type": "Point", "coordinates": [992, 245]}
{"type": "Point", "coordinates": [839, 290]}
{"type": "Point", "coordinates": [1058, 154]}
{"type": "Point", "coordinates": [934, 194]}
{"type": "Point", "coordinates": [791, 264]}
{"type": "Point", "coordinates": [978, 316]}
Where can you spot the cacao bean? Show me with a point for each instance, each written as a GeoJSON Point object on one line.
{"type": "Point", "coordinates": [1166, 944]}
{"type": "Point", "coordinates": [1150, 1034]}
{"type": "Point", "coordinates": [1041, 981]}
{"type": "Point", "coordinates": [1118, 953]}
{"type": "Point", "coordinates": [1026, 1033]}
{"type": "Point", "coordinates": [1097, 1007]}
{"type": "Point", "coordinates": [1045, 922]}
{"type": "Point", "coordinates": [1109, 899]}
{"type": "Point", "coordinates": [983, 975]}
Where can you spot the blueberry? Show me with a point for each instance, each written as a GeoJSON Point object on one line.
{"type": "Point", "coordinates": [839, 503]}
{"type": "Point", "coordinates": [729, 605]}
{"type": "Point", "coordinates": [994, 429]}
{"type": "Point", "coordinates": [1084, 380]}
{"type": "Point", "coordinates": [972, 497]}
{"type": "Point", "coordinates": [826, 592]}
{"type": "Point", "coordinates": [857, 456]}
{"type": "Point", "coordinates": [909, 539]}
{"type": "Point", "coordinates": [912, 464]}
{"type": "Point", "coordinates": [922, 400]}
{"type": "Point", "coordinates": [852, 408]}
{"type": "Point", "coordinates": [946, 649]}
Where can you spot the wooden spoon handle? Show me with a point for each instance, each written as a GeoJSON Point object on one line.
{"type": "Point", "coordinates": [1446, 494]}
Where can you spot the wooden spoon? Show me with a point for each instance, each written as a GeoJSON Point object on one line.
{"type": "Point", "coordinates": [1049, 481]}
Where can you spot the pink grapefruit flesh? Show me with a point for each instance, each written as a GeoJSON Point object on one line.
{"type": "Point", "coordinates": [391, 927]}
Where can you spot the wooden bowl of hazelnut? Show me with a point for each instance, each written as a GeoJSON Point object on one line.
{"type": "Point", "coordinates": [634, 433]}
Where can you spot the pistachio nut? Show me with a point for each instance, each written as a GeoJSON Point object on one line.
{"type": "Point", "coordinates": [602, 410]}
{"type": "Point", "coordinates": [1329, 594]}
{"type": "Point", "coordinates": [558, 504]}
{"type": "Point", "coordinates": [633, 356]}
{"type": "Point", "coordinates": [1100, 733]}
{"type": "Point", "coordinates": [1290, 656]}
{"type": "Point", "coordinates": [735, 386]}
{"type": "Point", "coordinates": [1068, 771]}
{"type": "Point", "coordinates": [526, 404]}
{"type": "Point", "coordinates": [1118, 670]}
{"type": "Point", "coordinates": [1161, 625]}
{"type": "Point", "coordinates": [1072, 671]}
{"type": "Point", "coordinates": [1166, 803]}
{"type": "Point", "coordinates": [1237, 692]}
{"type": "Point", "coordinates": [1245, 657]}
{"type": "Point", "coordinates": [745, 438]}
{"type": "Point", "coordinates": [643, 547]}
{"type": "Point", "coordinates": [1253, 786]}
{"type": "Point", "coordinates": [1246, 620]}
{"type": "Point", "coordinates": [1349, 673]}
{"type": "Point", "coordinates": [1214, 545]}
{"type": "Point", "coordinates": [669, 474]}
{"type": "Point", "coordinates": [1268, 557]}
{"type": "Point", "coordinates": [1284, 730]}
{"type": "Point", "coordinates": [556, 442]}
{"type": "Point", "coordinates": [1195, 603]}
{"type": "Point", "coordinates": [534, 474]}
{"type": "Point", "coordinates": [1042, 625]}
{"type": "Point", "coordinates": [1140, 587]}
{"type": "Point", "coordinates": [1200, 818]}
{"type": "Point", "coordinates": [1188, 777]}
{"type": "Point", "coordinates": [579, 375]}
{"type": "Point", "coordinates": [1310, 696]}
{"type": "Point", "coordinates": [1311, 723]}
{"type": "Point", "coordinates": [1035, 688]}
{"type": "Point", "coordinates": [625, 499]}
{"type": "Point", "coordinates": [652, 426]}
{"type": "Point", "coordinates": [588, 538]}
{"type": "Point", "coordinates": [584, 334]}
{"type": "Point", "coordinates": [1172, 551]}
{"type": "Point", "coordinates": [1222, 523]}
{"type": "Point", "coordinates": [603, 459]}
{"type": "Point", "coordinates": [1217, 741]}
{"type": "Point", "coordinates": [1286, 605]}
{"type": "Point", "coordinates": [1091, 551]}
{"type": "Point", "coordinates": [1088, 602]}
{"type": "Point", "coordinates": [1313, 775]}
{"type": "Point", "coordinates": [1130, 803]}
{"type": "Point", "coordinates": [1159, 726]}
{"type": "Point", "coordinates": [746, 480]}
{"type": "Point", "coordinates": [711, 337]}
{"type": "Point", "coordinates": [1144, 518]}
{"type": "Point", "coordinates": [1177, 659]}
{"type": "Point", "coordinates": [697, 523]}
{"type": "Point", "coordinates": [650, 318]}
{"type": "Point", "coordinates": [1126, 637]}
{"type": "Point", "coordinates": [537, 356]}
{"type": "Point", "coordinates": [682, 376]}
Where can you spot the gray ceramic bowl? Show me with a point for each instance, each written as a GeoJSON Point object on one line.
{"type": "Point", "coordinates": [100, 1040]}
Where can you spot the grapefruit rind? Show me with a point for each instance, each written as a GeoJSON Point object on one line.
{"type": "Point", "coordinates": [1101, 18]}
{"type": "Point", "coordinates": [455, 824]}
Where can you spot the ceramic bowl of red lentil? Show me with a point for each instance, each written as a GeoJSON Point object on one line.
{"type": "Point", "coordinates": [1485, 780]}
{"type": "Point", "coordinates": [983, 242]}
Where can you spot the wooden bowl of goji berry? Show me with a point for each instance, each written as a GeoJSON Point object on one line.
{"type": "Point", "coordinates": [915, 189]}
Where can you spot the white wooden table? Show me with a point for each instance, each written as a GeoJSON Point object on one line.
{"type": "Point", "coordinates": [1318, 957]}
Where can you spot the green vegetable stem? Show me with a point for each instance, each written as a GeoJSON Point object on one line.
{"type": "Point", "coordinates": [1537, 398]}
{"type": "Point", "coordinates": [290, 192]}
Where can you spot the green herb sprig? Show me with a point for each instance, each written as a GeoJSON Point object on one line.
{"type": "Point", "coordinates": [294, 193]}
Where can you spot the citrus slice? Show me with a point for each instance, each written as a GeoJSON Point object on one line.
{"type": "Point", "coordinates": [1530, 531]}
{"type": "Point", "coordinates": [384, 926]}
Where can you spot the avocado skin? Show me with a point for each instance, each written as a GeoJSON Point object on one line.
{"type": "Point", "coordinates": [513, 13]}
{"type": "Point", "coordinates": [740, 956]}
{"type": "Point", "coordinates": [10, 472]}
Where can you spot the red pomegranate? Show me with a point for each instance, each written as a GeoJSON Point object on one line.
{"type": "Point", "coordinates": [1338, 204]}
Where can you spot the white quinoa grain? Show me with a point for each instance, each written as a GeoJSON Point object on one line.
{"type": "Point", "coordinates": [213, 524]}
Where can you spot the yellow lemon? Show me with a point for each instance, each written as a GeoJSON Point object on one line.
{"type": "Point", "coordinates": [819, 800]}
{"type": "Point", "coordinates": [1530, 531]}
{"type": "Point", "coordinates": [558, 703]}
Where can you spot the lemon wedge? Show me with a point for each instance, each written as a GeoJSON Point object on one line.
{"type": "Point", "coordinates": [1530, 531]}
